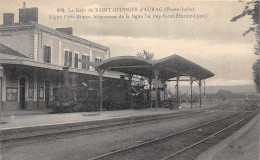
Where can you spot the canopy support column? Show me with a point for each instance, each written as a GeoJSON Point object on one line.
{"type": "Point", "coordinates": [100, 74]}
{"type": "Point", "coordinates": [177, 88]}
{"type": "Point", "coordinates": [204, 95]}
{"type": "Point", "coordinates": [129, 90]}
{"type": "Point", "coordinates": [150, 93]}
{"type": "Point", "coordinates": [1, 91]}
{"type": "Point", "coordinates": [1, 110]}
{"type": "Point", "coordinates": [164, 93]}
{"type": "Point", "coordinates": [200, 91]}
{"type": "Point", "coordinates": [66, 76]}
{"type": "Point", "coordinates": [156, 74]}
{"type": "Point", "coordinates": [191, 102]}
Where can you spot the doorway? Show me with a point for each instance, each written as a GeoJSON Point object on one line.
{"type": "Point", "coordinates": [47, 93]}
{"type": "Point", "coordinates": [22, 92]}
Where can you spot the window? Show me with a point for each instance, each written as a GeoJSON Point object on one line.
{"type": "Point", "coordinates": [31, 88]}
{"type": "Point", "coordinates": [41, 93]}
{"type": "Point", "coordinates": [11, 94]}
{"type": "Point", "coordinates": [98, 60]}
{"type": "Point", "coordinates": [76, 64]}
{"type": "Point", "coordinates": [47, 54]}
{"type": "Point", "coordinates": [68, 59]}
{"type": "Point", "coordinates": [84, 65]}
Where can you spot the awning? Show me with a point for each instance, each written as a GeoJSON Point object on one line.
{"type": "Point", "coordinates": [169, 67]}
{"type": "Point", "coordinates": [127, 64]}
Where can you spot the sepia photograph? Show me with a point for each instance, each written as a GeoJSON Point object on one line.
{"type": "Point", "coordinates": [129, 80]}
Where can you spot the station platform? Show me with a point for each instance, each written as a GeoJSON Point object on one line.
{"type": "Point", "coordinates": [241, 145]}
{"type": "Point", "coordinates": [16, 127]}
{"type": "Point", "coordinates": [21, 119]}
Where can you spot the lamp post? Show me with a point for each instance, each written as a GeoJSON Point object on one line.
{"type": "Point", "coordinates": [100, 74]}
{"type": "Point", "coordinates": [156, 74]}
{"type": "Point", "coordinates": [1, 91]}
{"type": "Point", "coordinates": [200, 91]}
{"type": "Point", "coordinates": [191, 81]}
{"type": "Point", "coordinates": [130, 101]}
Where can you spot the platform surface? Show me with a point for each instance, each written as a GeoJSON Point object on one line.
{"type": "Point", "coordinates": [244, 144]}
{"type": "Point", "coordinates": [21, 120]}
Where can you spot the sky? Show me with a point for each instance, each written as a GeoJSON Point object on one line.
{"type": "Point", "coordinates": [211, 40]}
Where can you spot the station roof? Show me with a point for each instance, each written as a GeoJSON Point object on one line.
{"type": "Point", "coordinates": [11, 52]}
{"type": "Point", "coordinates": [169, 67]}
{"type": "Point", "coordinates": [29, 25]}
{"type": "Point", "coordinates": [9, 56]}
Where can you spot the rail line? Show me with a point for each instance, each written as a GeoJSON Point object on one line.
{"type": "Point", "coordinates": [164, 142]}
{"type": "Point", "coordinates": [8, 143]}
{"type": "Point", "coordinates": [211, 136]}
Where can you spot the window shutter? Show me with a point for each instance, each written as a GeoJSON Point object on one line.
{"type": "Point", "coordinates": [70, 59]}
{"type": "Point", "coordinates": [76, 60]}
{"type": "Point", "coordinates": [66, 58]}
{"type": "Point", "coordinates": [47, 54]}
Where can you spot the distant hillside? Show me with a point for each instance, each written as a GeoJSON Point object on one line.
{"type": "Point", "coordinates": [234, 89]}
{"type": "Point", "coordinates": [215, 89]}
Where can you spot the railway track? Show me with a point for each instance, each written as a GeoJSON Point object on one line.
{"type": "Point", "coordinates": [188, 143]}
{"type": "Point", "coordinates": [31, 135]}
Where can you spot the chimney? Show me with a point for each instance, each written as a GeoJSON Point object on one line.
{"type": "Point", "coordinates": [68, 30]}
{"type": "Point", "coordinates": [8, 18]}
{"type": "Point", "coordinates": [28, 14]}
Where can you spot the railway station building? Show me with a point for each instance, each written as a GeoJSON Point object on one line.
{"type": "Point", "coordinates": [32, 57]}
{"type": "Point", "coordinates": [35, 61]}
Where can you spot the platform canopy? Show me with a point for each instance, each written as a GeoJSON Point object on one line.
{"type": "Point", "coordinates": [168, 67]}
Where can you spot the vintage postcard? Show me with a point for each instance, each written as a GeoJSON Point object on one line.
{"type": "Point", "coordinates": [140, 79]}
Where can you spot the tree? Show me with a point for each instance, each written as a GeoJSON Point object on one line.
{"type": "Point", "coordinates": [252, 9]}
{"type": "Point", "coordinates": [146, 55]}
{"type": "Point", "coordinates": [256, 74]}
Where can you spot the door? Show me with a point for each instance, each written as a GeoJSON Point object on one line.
{"type": "Point", "coordinates": [47, 93]}
{"type": "Point", "coordinates": [22, 93]}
